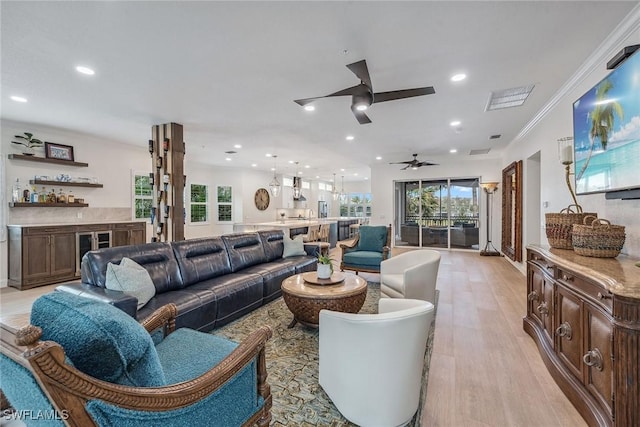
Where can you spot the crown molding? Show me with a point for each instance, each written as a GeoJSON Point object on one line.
{"type": "Point", "coordinates": [613, 42]}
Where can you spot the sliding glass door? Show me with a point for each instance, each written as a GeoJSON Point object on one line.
{"type": "Point", "coordinates": [441, 213]}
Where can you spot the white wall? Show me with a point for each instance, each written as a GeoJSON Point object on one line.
{"type": "Point", "coordinates": [558, 123]}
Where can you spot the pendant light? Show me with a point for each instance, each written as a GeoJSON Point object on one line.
{"type": "Point", "coordinates": [297, 184]}
{"type": "Point", "coordinates": [334, 190]}
{"type": "Point", "coordinates": [274, 185]}
{"type": "Point", "coordinates": [343, 195]}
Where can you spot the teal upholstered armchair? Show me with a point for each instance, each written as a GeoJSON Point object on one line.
{"type": "Point", "coordinates": [95, 365]}
{"type": "Point", "coordinates": [366, 252]}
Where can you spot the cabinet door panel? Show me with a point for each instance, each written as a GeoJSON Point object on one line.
{"type": "Point", "coordinates": [63, 254]}
{"type": "Point", "coordinates": [569, 330]}
{"type": "Point", "coordinates": [138, 236]}
{"type": "Point", "coordinates": [36, 257]}
{"type": "Point", "coordinates": [120, 237]}
{"type": "Point", "coordinates": [598, 335]}
{"type": "Point", "coordinates": [548, 309]}
{"type": "Point", "coordinates": [535, 293]}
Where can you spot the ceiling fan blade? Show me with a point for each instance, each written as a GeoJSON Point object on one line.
{"type": "Point", "coordinates": [360, 116]}
{"type": "Point", "coordinates": [303, 102]}
{"type": "Point", "coordinates": [420, 164]}
{"type": "Point", "coordinates": [361, 71]}
{"type": "Point", "coordinates": [406, 167]}
{"type": "Point", "coordinates": [401, 94]}
{"type": "Point", "coordinates": [353, 90]}
{"type": "Point", "coordinates": [408, 162]}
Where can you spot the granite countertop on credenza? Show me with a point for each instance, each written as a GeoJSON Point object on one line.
{"type": "Point", "coordinates": [619, 275]}
{"type": "Point", "coordinates": [61, 224]}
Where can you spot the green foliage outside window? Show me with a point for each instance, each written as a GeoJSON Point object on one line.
{"type": "Point", "coordinates": [199, 206]}
{"type": "Point", "coordinates": [225, 206]}
{"type": "Point", "coordinates": [143, 196]}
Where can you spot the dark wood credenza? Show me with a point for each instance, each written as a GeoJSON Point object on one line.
{"type": "Point", "coordinates": [45, 254]}
{"type": "Point", "coordinates": [584, 315]}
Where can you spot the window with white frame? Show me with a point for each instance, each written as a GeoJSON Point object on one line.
{"type": "Point", "coordinates": [199, 203]}
{"type": "Point", "coordinates": [225, 203]}
{"type": "Point", "coordinates": [142, 196]}
{"type": "Point", "coordinates": [356, 205]}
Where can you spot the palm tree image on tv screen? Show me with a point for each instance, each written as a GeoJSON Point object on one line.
{"type": "Point", "coordinates": [606, 126]}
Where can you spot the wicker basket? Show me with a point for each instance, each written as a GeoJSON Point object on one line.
{"type": "Point", "coordinates": [599, 239]}
{"type": "Point", "coordinates": [559, 225]}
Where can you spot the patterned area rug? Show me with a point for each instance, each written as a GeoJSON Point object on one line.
{"type": "Point", "coordinates": [292, 365]}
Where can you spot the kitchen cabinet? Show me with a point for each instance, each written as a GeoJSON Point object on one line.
{"type": "Point", "coordinates": [584, 315]}
{"type": "Point", "coordinates": [132, 233]}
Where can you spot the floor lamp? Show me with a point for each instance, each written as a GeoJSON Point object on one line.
{"type": "Point", "coordinates": [489, 249]}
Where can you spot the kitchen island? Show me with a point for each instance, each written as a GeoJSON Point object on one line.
{"type": "Point", "coordinates": [292, 226]}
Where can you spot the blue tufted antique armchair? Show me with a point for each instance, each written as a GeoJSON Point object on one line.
{"type": "Point", "coordinates": [366, 252]}
{"type": "Point", "coordinates": [83, 362]}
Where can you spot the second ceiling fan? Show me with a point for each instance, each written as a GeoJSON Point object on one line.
{"type": "Point", "coordinates": [362, 95]}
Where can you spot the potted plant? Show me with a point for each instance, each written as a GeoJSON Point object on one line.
{"type": "Point", "coordinates": [325, 266]}
{"type": "Point", "coordinates": [28, 142]}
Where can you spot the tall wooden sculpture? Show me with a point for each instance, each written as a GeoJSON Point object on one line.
{"type": "Point", "coordinates": [168, 180]}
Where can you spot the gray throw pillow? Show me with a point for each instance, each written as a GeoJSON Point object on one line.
{"type": "Point", "coordinates": [131, 278]}
{"type": "Point", "coordinates": [293, 247]}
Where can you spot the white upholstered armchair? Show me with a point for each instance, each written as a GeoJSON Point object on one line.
{"type": "Point", "coordinates": [371, 364]}
{"type": "Point", "coordinates": [411, 274]}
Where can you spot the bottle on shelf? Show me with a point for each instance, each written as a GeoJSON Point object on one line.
{"type": "Point", "coordinates": [42, 196]}
{"type": "Point", "coordinates": [70, 197]}
{"type": "Point", "coordinates": [26, 195]}
{"type": "Point", "coordinates": [17, 192]}
{"type": "Point", "coordinates": [61, 197]}
{"type": "Point", "coordinates": [51, 197]}
{"type": "Point", "coordinates": [34, 195]}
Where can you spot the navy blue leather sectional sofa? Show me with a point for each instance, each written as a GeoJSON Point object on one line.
{"type": "Point", "coordinates": [211, 280]}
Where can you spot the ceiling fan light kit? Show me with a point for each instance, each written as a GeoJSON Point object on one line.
{"type": "Point", "coordinates": [362, 95]}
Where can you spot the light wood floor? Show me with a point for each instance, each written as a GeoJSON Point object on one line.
{"type": "Point", "coordinates": [485, 371]}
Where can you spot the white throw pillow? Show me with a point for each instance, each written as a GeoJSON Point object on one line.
{"type": "Point", "coordinates": [131, 278]}
{"type": "Point", "coordinates": [293, 247]}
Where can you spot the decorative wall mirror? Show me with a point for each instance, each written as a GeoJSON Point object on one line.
{"type": "Point", "coordinates": [512, 211]}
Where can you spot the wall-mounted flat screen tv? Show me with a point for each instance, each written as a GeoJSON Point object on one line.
{"type": "Point", "coordinates": [606, 132]}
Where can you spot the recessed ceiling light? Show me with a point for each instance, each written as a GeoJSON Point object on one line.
{"type": "Point", "coordinates": [273, 169]}
{"type": "Point", "coordinates": [458, 77]}
{"type": "Point", "coordinates": [291, 162]}
{"type": "Point", "coordinates": [453, 150]}
{"type": "Point", "coordinates": [85, 70]}
{"type": "Point", "coordinates": [309, 108]}
{"type": "Point", "coordinates": [366, 178]}
{"type": "Point", "coordinates": [268, 155]}
{"type": "Point", "coordinates": [355, 174]}
{"type": "Point", "coordinates": [455, 123]}
{"type": "Point", "coordinates": [307, 166]}
{"type": "Point", "coordinates": [378, 157]}
{"type": "Point", "coordinates": [349, 138]}
{"type": "Point", "coordinates": [342, 170]}
{"type": "Point", "coordinates": [237, 146]}
{"type": "Point", "coordinates": [317, 177]}
{"type": "Point", "coordinates": [299, 172]}
{"type": "Point", "coordinates": [18, 98]}
{"type": "Point", "coordinates": [253, 165]}
{"type": "Point", "coordinates": [228, 159]}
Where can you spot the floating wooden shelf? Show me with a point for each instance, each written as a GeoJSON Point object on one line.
{"type": "Point", "coordinates": [48, 205]}
{"type": "Point", "coordinates": [45, 160]}
{"type": "Point", "coordinates": [65, 184]}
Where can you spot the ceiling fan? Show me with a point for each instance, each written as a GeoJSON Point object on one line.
{"type": "Point", "coordinates": [413, 164]}
{"type": "Point", "coordinates": [362, 95]}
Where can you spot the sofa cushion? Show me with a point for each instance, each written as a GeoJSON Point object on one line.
{"type": "Point", "coordinates": [293, 247]}
{"type": "Point", "coordinates": [272, 243]}
{"type": "Point", "coordinates": [157, 258]}
{"type": "Point", "coordinates": [99, 339]}
{"type": "Point", "coordinates": [131, 278]}
{"type": "Point", "coordinates": [197, 308]}
{"type": "Point", "coordinates": [372, 238]}
{"type": "Point", "coordinates": [244, 249]}
{"type": "Point", "coordinates": [201, 259]}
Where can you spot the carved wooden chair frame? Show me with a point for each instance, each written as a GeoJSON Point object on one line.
{"type": "Point", "coordinates": [70, 389]}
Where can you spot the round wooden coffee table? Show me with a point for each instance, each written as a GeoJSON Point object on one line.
{"type": "Point", "coordinates": [305, 299]}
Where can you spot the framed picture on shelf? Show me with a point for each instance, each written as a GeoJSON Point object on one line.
{"type": "Point", "coordinates": [58, 151]}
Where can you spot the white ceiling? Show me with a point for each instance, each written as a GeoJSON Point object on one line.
{"type": "Point", "coordinates": [229, 72]}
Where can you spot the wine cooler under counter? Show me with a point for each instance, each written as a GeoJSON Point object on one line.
{"type": "Point", "coordinates": [43, 255]}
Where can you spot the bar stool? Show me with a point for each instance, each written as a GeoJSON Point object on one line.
{"type": "Point", "coordinates": [312, 234]}
{"type": "Point", "coordinates": [354, 229]}
{"type": "Point", "coordinates": [324, 233]}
